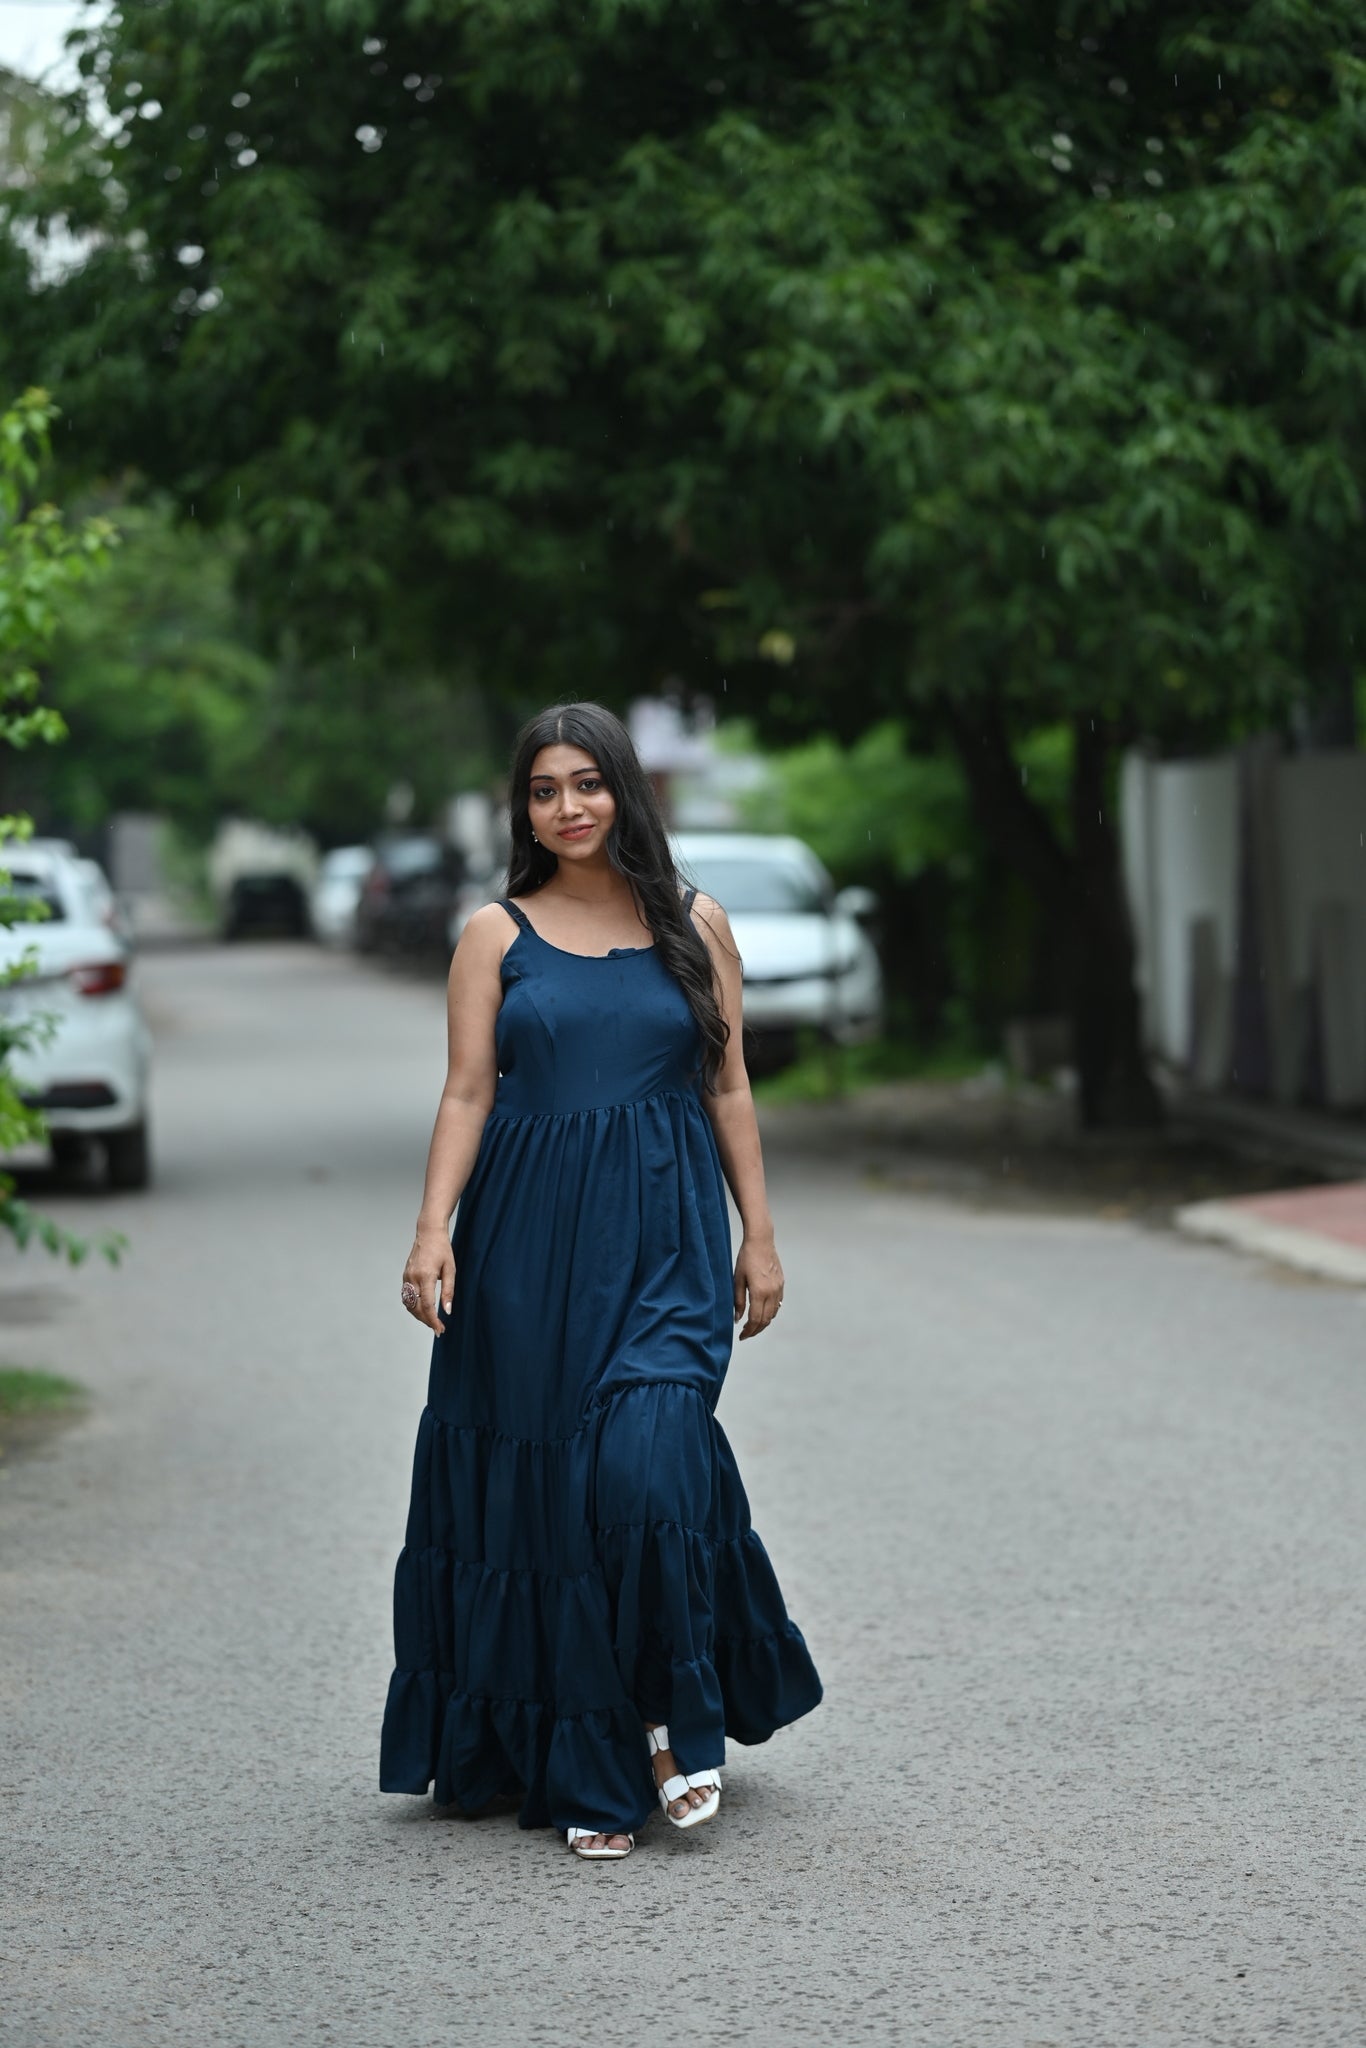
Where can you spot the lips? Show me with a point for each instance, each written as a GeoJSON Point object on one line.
{"type": "Point", "coordinates": [575, 832]}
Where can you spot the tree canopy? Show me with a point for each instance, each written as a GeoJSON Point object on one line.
{"type": "Point", "coordinates": [177, 702]}
{"type": "Point", "coordinates": [985, 366]}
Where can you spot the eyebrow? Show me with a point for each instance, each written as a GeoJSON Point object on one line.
{"type": "Point", "coordinates": [572, 776]}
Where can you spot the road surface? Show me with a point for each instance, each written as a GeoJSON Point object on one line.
{"type": "Point", "coordinates": [1071, 1511]}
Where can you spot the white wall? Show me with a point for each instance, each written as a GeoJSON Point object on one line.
{"type": "Point", "coordinates": [1180, 838]}
{"type": "Point", "coordinates": [1305, 844]}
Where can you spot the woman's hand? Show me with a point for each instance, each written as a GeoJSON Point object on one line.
{"type": "Point", "coordinates": [431, 1272]}
{"type": "Point", "coordinates": [758, 1285]}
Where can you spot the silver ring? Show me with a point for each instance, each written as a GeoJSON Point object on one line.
{"type": "Point", "coordinates": [409, 1294]}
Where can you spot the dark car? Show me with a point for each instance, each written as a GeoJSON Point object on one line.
{"type": "Point", "coordinates": [409, 896]}
{"type": "Point", "coordinates": [265, 906]}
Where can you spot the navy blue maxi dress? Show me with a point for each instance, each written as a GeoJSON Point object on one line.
{"type": "Point", "coordinates": [579, 1555]}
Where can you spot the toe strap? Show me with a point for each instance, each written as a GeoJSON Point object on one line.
{"type": "Point", "coordinates": [673, 1788]}
{"type": "Point", "coordinates": [704, 1781]}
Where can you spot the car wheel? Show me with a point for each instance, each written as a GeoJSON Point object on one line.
{"type": "Point", "coordinates": [129, 1157]}
{"type": "Point", "coordinates": [70, 1150]}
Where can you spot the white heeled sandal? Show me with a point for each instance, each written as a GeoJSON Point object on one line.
{"type": "Point", "coordinates": [574, 1836]}
{"type": "Point", "coordinates": [674, 1788]}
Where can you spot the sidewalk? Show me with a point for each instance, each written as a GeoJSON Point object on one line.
{"type": "Point", "coordinates": [1319, 1230]}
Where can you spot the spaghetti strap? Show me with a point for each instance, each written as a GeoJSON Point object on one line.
{"type": "Point", "coordinates": [689, 898]}
{"type": "Point", "coordinates": [519, 917]}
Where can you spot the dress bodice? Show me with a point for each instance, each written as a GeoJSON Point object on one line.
{"type": "Point", "coordinates": [586, 1031]}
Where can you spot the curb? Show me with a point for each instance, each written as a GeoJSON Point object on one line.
{"type": "Point", "coordinates": [1227, 1223]}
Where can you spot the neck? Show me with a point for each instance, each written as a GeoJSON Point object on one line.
{"type": "Point", "coordinates": [594, 881]}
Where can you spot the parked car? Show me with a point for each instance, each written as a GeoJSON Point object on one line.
{"type": "Point", "coordinates": [89, 1075]}
{"type": "Point", "coordinates": [335, 894]}
{"type": "Point", "coordinates": [409, 896]}
{"type": "Point", "coordinates": [105, 905]}
{"type": "Point", "coordinates": [809, 966]}
{"type": "Point", "coordinates": [265, 906]}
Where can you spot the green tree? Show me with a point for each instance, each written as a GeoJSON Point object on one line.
{"type": "Point", "coordinates": [964, 947]}
{"type": "Point", "coordinates": [41, 561]}
{"type": "Point", "coordinates": [988, 368]}
{"type": "Point", "coordinates": [158, 669]}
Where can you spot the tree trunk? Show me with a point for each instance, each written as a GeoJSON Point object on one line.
{"type": "Point", "coordinates": [1115, 1088]}
{"type": "Point", "coordinates": [1082, 894]}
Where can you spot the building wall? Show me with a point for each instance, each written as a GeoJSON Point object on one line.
{"type": "Point", "coordinates": [1247, 880]}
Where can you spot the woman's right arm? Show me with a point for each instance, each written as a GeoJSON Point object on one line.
{"type": "Point", "coordinates": [473, 998]}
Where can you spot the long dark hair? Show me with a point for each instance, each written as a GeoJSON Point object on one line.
{"type": "Point", "coordinates": [637, 847]}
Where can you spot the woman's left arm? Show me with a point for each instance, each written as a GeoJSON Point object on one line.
{"type": "Point", "coordinates": [758, 1270]}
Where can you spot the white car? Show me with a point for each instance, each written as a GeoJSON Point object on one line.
{"type": "Point", "coordinates": [89, 1074]}
{"type": "Point", "coordinates": [336, 892]}
{"type": "Point", "coordinates": [809, 966]}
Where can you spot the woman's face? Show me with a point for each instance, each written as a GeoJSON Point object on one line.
{"type": "Point", "coordinates": [570, 806]}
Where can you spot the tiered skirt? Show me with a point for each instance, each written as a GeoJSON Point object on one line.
{"type": "Point", "coordinates": [555, 1591]}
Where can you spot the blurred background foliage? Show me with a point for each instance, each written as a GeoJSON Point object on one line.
{"type": "Point", "coordinates": [173, 705]}
{"type": "Point", "coordinates": [963, 943]}
{"type": "Point", "coordinates": [44, 559]}
{"type": "Point", "coordinates": [966, 372]}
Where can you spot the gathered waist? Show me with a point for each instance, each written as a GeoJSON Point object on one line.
{"type": "Point", "coordinates": [503, 1112]}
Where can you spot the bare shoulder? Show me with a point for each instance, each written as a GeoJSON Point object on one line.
{"type": "Point", "coordinates": [715, 924]}
{"type": "Point", "coordinates": [487, 935]}
{"type": "Point", "coordinates": [489, 921]}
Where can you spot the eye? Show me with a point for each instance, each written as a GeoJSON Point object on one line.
{"type": "Point", "coordinates": [591, 782]}
{"type": "Point", "coordinates": [541, 796]}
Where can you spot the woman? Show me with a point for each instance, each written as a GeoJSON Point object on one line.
{"type": "Point", "coordinates": [582, 1611]}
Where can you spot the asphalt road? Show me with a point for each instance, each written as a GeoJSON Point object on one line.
{"type": "Point", "coordinates": [1071, 1511]}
